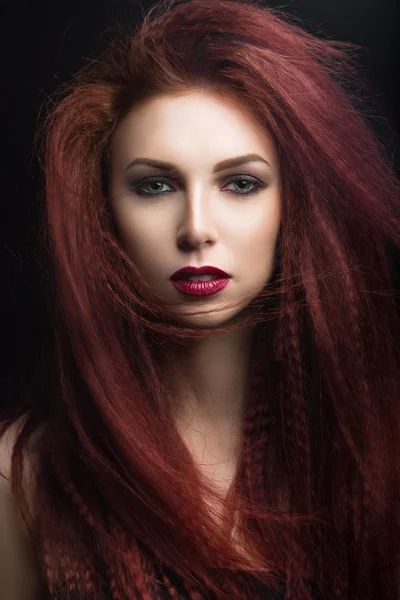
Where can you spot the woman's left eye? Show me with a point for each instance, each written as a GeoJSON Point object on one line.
{"type": "Point", "coordinates": [138, 185]}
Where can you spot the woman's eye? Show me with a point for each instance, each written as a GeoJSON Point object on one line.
{"type": "Point", "coordinates": [242, 183]}
{"type": "Point", "coordinates": [247, 181]}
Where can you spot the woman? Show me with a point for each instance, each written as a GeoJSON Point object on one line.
{"type": "Point", "coordinates": [235, 436]}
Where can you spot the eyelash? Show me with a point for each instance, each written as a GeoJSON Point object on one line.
{"type": "Point", "coordinates": [136, 184]}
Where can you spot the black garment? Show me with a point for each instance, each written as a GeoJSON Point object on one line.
{"type": "Point", "coordinates": [264, 591]}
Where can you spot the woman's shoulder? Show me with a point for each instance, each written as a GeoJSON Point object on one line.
{"type": "Point", "coordinates": [7, 441]}
{"type": "Point", "coordinates": [19, 574]}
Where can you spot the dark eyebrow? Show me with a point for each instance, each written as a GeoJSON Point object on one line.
{"type": "Point", "coordinates": [224, 164]}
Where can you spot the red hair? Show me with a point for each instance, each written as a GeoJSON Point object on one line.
{"type": "Point", "coordinates": [117, 498]}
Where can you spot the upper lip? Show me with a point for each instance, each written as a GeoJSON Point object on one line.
{"type": "Point", "coordinates": [188, 271]}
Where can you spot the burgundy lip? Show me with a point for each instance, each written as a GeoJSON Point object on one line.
{"type": "Point", "coordinates": [188, 271]}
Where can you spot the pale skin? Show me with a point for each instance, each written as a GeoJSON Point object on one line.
{"type": "Point", "coordinates": [201, 219]}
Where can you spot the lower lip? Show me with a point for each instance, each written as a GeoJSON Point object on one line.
{"type": "Point", "coordinates": [201, 288]}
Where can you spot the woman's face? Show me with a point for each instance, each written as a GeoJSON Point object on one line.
{"type": "Point", "coordinates": [199, 214]}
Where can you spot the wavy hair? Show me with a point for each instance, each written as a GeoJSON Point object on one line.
{"type": "Point", "coordinates": [115, 499]}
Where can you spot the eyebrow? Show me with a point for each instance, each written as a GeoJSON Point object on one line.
{"type": "Point", "coordinates": [224, 164]}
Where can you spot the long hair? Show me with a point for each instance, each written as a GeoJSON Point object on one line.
{"type": "Point", "coordinates": [116, 503]}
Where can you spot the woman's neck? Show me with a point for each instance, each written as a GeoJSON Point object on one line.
{"type": "Point", "coordinates": [207, 378]}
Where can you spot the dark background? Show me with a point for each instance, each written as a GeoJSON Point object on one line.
{"type": "Point", "coordinates": [43, 43]}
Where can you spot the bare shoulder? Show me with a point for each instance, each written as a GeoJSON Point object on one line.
{"type": "Point", "coordinates": [7, 441]}
{"type": "Point", "coordinates": [19, 575]}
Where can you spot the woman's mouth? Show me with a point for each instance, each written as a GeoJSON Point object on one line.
{"type": "Point", "coordinates": [204, 286]}
{"type": "Point", "coordinates": [200, 281]}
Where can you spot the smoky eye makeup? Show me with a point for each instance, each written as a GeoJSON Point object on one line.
{"type": "Point", "coordinates": [241, 185]}
{"type": "Point", "coordinates": [262, 177]}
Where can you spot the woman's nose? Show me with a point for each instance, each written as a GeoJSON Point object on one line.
{"type": "Point", "coordinates": [198, 225]}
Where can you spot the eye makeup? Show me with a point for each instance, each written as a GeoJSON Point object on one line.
{"type": "Point", "coordinates": [137, 184]}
